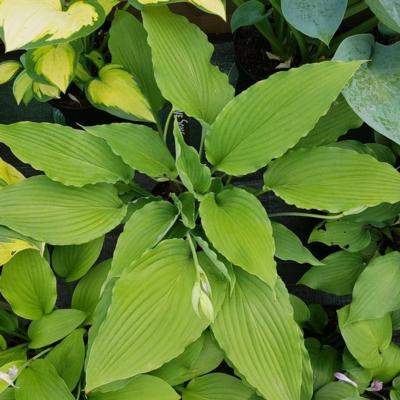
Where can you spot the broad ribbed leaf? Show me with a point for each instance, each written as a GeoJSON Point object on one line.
{"type": "Point", "coordinates": [139, 146]}
{"type": "Point", "coordinates": [238, 227]}
{"type": "Point", "coordinates": [314, 179]}
{"type": "Point", "coordinates": [316, 18]}
{"type": "Point", "coordinates": [8, 69]}
{"type": "Point", "coordinates": [128, 47]}
{"type": "Point", "coordinates": [337, 391]}
{"type": "Point", "coordinates": [254, 128]}
{"type": "Point", "coordinates": [289, 246]}
{"type": "Point", "coordinates": [29, 285]}
{"type": "Point", "coordinates": [56, 214]}
{"type": "Point", "coordinates": [390, 367]}
{"type": "Point", "coordinates": [8, 174]}
{"type": "Point", "coordinates": [66, 155]}
{"type": "Point", "coordinates": [366, 339]}
{"type": "Point", "coordinates": [150, 320]}
{"type": "Point", "coordinates": [388, 12]}
{"type": "Point", "coordinates": [40, 381]}
{"type": "Point", "coordinates": [73, 262]}
{"type": "Point", "coordinates": [338, 274]}
{"type": "Point", "coordinates": [257, 331]}
{"type": "Point", "coordinates": [181, 57]}
{"type": "Point", "coordinates": [377, 290]}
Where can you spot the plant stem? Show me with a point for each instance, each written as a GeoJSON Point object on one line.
{"type": "Point", "coordinates": [167, 123]}
{"type": "Point", "coordinates": [307, 215]}
{"type": "Point", "coordinates": [355, 9]}
{"type": "Point", "coordinates": [126, 6]}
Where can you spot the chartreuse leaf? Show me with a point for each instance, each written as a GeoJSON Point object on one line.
{"type": "Point", "coordinates": [117, 92]}
{"type": "Point", "coordinates": [108, 4]}
{"type": "Point", "coordinates": [316, 18]}
{"type": "Point", "coordinates": [201, 357]}
{"type": "Point", "coordinates": [155, 219]}
{"type": "Point", "coordinates": [376, 291]}
{"type": "Point", "coordinates": [254, 129]}
{"type": "Point", "coordinates": [68, 358]}
{"type": "Point", "coordinates": [387, 11]}
{"type": "Point", "coordinates": [289, 246]}
{"type": "Point", "coordinates": [40, 381]}
{"type": "Point", "coordinates": [181, 57]}
{"type": "Point", "coordinates": [359, 180]}
{"type": "Point", "coordinates": [158, 290]}
{"type": "Point", "coordinates": [54, 327]}
{"type": "Point", "coordinates": [13, 353]}
{"type": "Point", "coordinates": [306, 390]}
{"type": "Point", "coordinates": [373, 91]}
{"type": "Point", "coordinates": [73, 262]}
{"type": "Point", "coordinates": [256, 330]}
{"type": "Point", "coordinates": [238, 227]}
{"type": "Point", "coordinates": [44, 92]}
{"type": "Point", "coordinates": [139, 146]}
{"type": "Point", "coordinates": [129, 48]}
{"type": "Point", "coordinates": [8, 394]}
{"type": "Point", "coordinates": [8, 70]}
{"type": "Point", "coordinates": [8, 174]}
{"type": "Point", "coordinates": [338, 274]}
{"type": "Point", "coordinates": [186, 204]}
{"type": "Point", "coordinates": [60, 215]}
{"type": "Point", "coordinates": [29, 285]}
{"type": "Point", "coordinates": [217, 386]}
{"type": "Point", "coordinates": [66, 155]}
{"type": "Point", "coordinates": [390, 366]}
{"type": "Point", "coordinates": [366, 339]}
{"type": "Point", "coordinates": [143, 387]}
{"type": "Point", "coordinates": [23, 88]}
{"type": "Point", "coordinates": [337, 391]}
{"type": "Point", "coordinates": [26, 24]}
{"type": "Point", "coordinates": [301, 313]}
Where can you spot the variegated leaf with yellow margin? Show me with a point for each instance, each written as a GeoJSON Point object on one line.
{"type": "Point", "coordinates": [22, 88]}
{"type": "Point", "coordinates": [8, 69]}
{"type": "Point", "coordinates": [108, 4]}
{"type": "Point", "coordinates": [30, 24]}
{"type": "Point", "coordinates": [8, 174]}
{"type": "Point", "coordinates": [116, 91]}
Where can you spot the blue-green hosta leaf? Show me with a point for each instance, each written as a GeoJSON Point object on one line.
{"type": "Point", "coordinates": [316, 18]}
{"type": "Point", "coordinates": [60, 215]}
{"type": "Point", "coordinates": [237, 225]}
{"type": "Point", "coordinates": [139, 146]}
{"type": "Point", "coordinates": [377, 291]}
{"type": "Point", "coordinates": [249, 13]}
{"type": "Point", "coordinates": [257, 332]}
{"type": "Point", "coordinates": [373, 93]}
{"type": "Point", "coordinates": [289, 246]}
{"type": "Point", "coordinates": [337, 391]}
{"type": "Point", "coordinates": [8, 174]}
{"type": "Point", "coordinates": [217, 386]}
{"type": "Point", "coordinates": [66, 155]}
{"type": "Point", "coordinates": [73, 262]}
{"type": "Point", "coordinates": [181, 57]}
{"type": "Point", "coordinates": [366, 339]}
{"type": "Point", "coordinates": [8, 70]}
{"type": "Point", "coordinates": [157, 290]}
{"type": "Point", "coordinates": [253, 128]}
{"type": "Point", "coordinates": [338, 274]}
{"type": "Point", "coordinates": [40, 381]}
{"type": "Point", "coordinates": [129, 48]}
{"type": "Point", "coordinates": [117, 92]}
{"type": "Point", "coordinates": [387, 11]}
{"type": "Point", "coordinates": [29, 285]}
{"type": "Point", "coordinates": [314, 179]}
{"type": "Point", "coordinates": [28, 24]}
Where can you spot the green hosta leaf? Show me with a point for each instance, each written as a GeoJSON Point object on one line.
{"type": "Point", "coordinates": [257, 332]}
{"type": "Point", "coordinates": [128, 47]}
{"type": "Point", "coordinates": [68, 358]}
{"type": "Point", "coordinates": [23, 88]}
{"type": "Point", "coordinates": [388, 12]}
{"type": "Point", "coordinates": [376, 291]}
{"type": "Point", "coordinates": [201, 357]}
{"type": "Point", "coordinates": [144, 230]}
{"type": "Point", "coordinates": [316, 18]}
{"type": "Point", "coordinates": [53, 64]}
{"type": "Point", "coordinates": [60, 215]}
{"type": "Point", "coordinates": [249, 13]}
{"type": "Point", "coordinates": [373, 91]}
{"type": "Point", "coordinates": [390, 366]}
{"type": "Point", "coordinates": [237, 225]}
{"type": "Point", "coordinates": [254, 129]}
{"type": "Point", "coordinates": [301, 313]}
{"type": "Point", "coordinates": [181, 58]}
{"type": "Point", "coordinates": [396, 320]}
{"type": "Point", "coordinates": [54, 327]}
{"type": "Point", "coordinates": [8, 174]}
{"type": "Point", "coordinates": [117, 92]}
{"type": "Point", "coordinates": [66, 155]}
{"type": "Point", "coordinates": [377, 215]}
{"type": "Point", "coordinates": [108, 4]}
{"type": "Point", "coordinates": [314, 179]}
{"type": "Point", "coordinates": [27, 25]}
{"type": "Point", "coordinates": [5, 369]}
{"type": "Point", "coordinates": [73, 262]}
{"type": "Point", "coordinates": [338, 274]}
{"type": "Point", "coordinates": [157, 290]}
{"type": "Point", "coordinates": [8, 70]}
{"type": "Point", "coordinates": [40, 381]}
{"type": "Point", "coordinates": [186, 204]}
{"type": "Point", "coordinates": [338, 121]}
{"type": "Point", "coordinates": [13, 353]}
{"type": "Point", "coordinates": [289, 246]}
{"type": "Point", "coordinates": [143, 387]}
{"type": "Point", "coordinates": [217, 387]}
{"type": "Point", "coordinates": [8, 394]}
{"type": "Point", "coordinates": [337, 391]}
{"type": "Point", "coordinates": [139, 146]}
{"type": "Point", "coordinates": [366, 339]}
{"type": "Point", "coordinates": [29, 285]}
